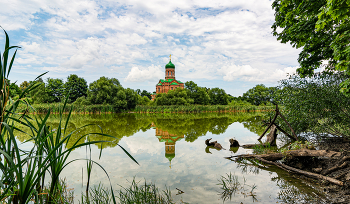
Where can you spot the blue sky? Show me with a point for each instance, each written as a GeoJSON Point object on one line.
{"type": "Point", "coordinates": [224, 43]}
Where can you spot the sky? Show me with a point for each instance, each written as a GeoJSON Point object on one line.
{"type": "Point", "coordinates": [223, 43]}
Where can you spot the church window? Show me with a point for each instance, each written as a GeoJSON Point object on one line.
{"type": "Point", "coordinates": [171, 88]}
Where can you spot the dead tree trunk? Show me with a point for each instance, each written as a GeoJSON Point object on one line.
{"type": "Point", "coordinates": [272, 123]}
{"type": "Point", "coordinates": [271, 137]}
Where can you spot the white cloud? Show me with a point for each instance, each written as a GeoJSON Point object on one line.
{"type": "Point", "coordinates": [233, 72]}
{"type": "Point", "coordinates": [151, 73]}
{"type": "Point", "coordinates": [219, 41]}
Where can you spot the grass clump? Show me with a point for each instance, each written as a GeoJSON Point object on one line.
{"type": "Point", "coordinates": [297, 145]}
{"type": "Point", "coordinates": [264, 149]}
{"type": "Point", "coordinates": [230, 185]}
{"type": "Point", "coordinates": [144, 193]}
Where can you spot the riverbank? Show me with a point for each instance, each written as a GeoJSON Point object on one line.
{"type": "Point", "coordinates": [100, 108]}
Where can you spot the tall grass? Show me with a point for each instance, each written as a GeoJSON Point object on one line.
{"type": "Point", "coordinates": [144, 193]}
{"type": "Point", "coordinates": [100, 108]}
{"type": "Point", "coordinates": [23, 171]}
{"type": "Point", "coordinates": [230, 186]}
{"type": "Point", "coordinates": [199, 108]}
{"type": "Point", "coordinates": [56, 107]}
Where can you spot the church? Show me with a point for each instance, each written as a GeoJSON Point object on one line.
{"type": "Point", "coordinates": [170, 83]}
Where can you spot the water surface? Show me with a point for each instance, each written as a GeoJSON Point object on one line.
{"type": "Point", "coordinates": [171, 152]}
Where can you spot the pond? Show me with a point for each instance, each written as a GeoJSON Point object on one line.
{"type": "Point", "coordinates": [171, 152]}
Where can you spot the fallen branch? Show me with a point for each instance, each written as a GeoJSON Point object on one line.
{"type": "Point", "coordinates": [309, 174]}
{"type": "Point", "coordinates": [334, 168]}
{"type": "Point", "coordinates": [295, 153]}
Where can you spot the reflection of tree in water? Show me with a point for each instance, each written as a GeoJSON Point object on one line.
{"type": "Point", "coordinates": [116, 125]}
{"type": "Point", "coordinates": [291, 190]}
{"type": "Point", "coordinates": [125, 125]}
{"type": "Point", "coordinates": [254, 124]}
{"type": "Point", "coordinates": [196, 125]}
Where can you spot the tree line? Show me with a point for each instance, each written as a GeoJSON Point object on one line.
{"type": "Point", "coordinates": [109, 91]}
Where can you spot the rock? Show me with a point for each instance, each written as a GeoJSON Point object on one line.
{"type": "Point", "coordinates": [210, 143]}
{"type": "Point", "coordinates": [234, 143]}
{"type": "Point", "coordinates": [218, 146]}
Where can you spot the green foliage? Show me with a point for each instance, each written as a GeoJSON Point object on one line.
{"type": "Point", "coordinates": [295, 22]}
{"type": "Point", "coordinates": [24, 85]}
{"type": "Point", "coordinates": [144, 193]}
{"type": "Point", "coordinates": [109, 92]}
{"type": "Point", "coordinates": [173, 97]}
{"type": "Point", "coordinates": [198, 94]}
{"type": "Point", "coordinates": [198, 108]}
{"type": "Point", "coordinates": [260, 95]}
{"type": "Point", "coordinates": [131, 98]}
{"type": "Point", "coordinates": [320, 28]}
{"type": "Point", "coordinates": [39, 95]}
{"type": "Point", "coordinates": [218, 96]}
{"type": "Point", "coordinates": [82, 101]}
{"type": "Point", "coordinates": [147, 94]}
{"type": "Point", "coordinates": [76, 87]}
{"type": "Point", "coordinates": [54, 89]}
{"type": "Point", "coordinates": [264, 149]}
{"type": "Point", "coordinates": [238, 102]}
{"type": "Point", "coordinates": [230, 185]}
{"type": "Point", "coordinates": [24, 172]}
{"type": "Point", "coordinates": [315, 104]}
{"type": "Point", "coordinates": [104, 90]}
{"type": "Point", "coordinates": [297, 145]}
{"type": "Point", "coordinates": [14, 89]}
{"type": "Point", "coordinates": [143, 100]}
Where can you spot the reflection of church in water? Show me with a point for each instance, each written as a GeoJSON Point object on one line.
{"type": "Point", "coordinates": [169, 140]}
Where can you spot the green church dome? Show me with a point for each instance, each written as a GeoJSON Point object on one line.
{"type": "Point", "coordinates": [169, 156]}
{"type": "Point", "coordinates": [170, 65]}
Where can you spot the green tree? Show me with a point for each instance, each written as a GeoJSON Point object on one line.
{"type": "Point", "coordinates": [14, 89]}
{"type": "Point", "coordinates": [218, 96]}
{"type": "Point", "coordinates": [315, 104]}
{"type": "Point", "coordinates": [24, 85]}
{"type": "Point", "coordinates": [54, 89]}
{"type": "Point", "coordinates": [320, 28]}
{"type": "Point", "coordinates": [260, 94]}
{"type": "Point", "coordinates": [146, 93]}
{"type": "Point", "coordinates": [76, 87]}
{"type": "Point", "coordinates": [131, 98]}
{"type": "Point", "coordinates": [174, 97]}
{"type": "Point", "coordinates": [39, 94]}
{"type": "Point", "coordinates": [104, 90]}
{"type": "Point", "coordinates": [198, 94]}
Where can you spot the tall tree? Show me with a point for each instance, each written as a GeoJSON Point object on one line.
{"type": "Point", "coordinates": [14, 89]}
{"type": "Point", "coordinates": [104, 90]}
{"type": "Point", "coordinates": [146, 93]}
{"type": "Point", "coordinates": [260, 94]}
{"type": "Point", "coordinates": [76, 87]}
{"type": "Point", "coordinates": [24, 85]}
{"type": "Point", "coordinates": [174, 97]}
{"type": "Point", "coordinates": [198, 94]}
{"type": "Point", "coordinates": [54, 89]}
{"type": "Point", "coordinates": [218, 96]}
{"type": "Point", "coordinates": [320, 28]}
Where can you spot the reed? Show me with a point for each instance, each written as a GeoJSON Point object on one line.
{"type": "Point", "coordinates": [144, 193]}
{"type": "Point", "coordinates": [23, 171]}
{"type": "Point", "coordinates": [199, 108]}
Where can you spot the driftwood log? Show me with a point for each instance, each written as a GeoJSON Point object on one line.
{"type": "Point", "coordinates": [271, 158]}
{"type": "Point", "coordinates": [296, 153]}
